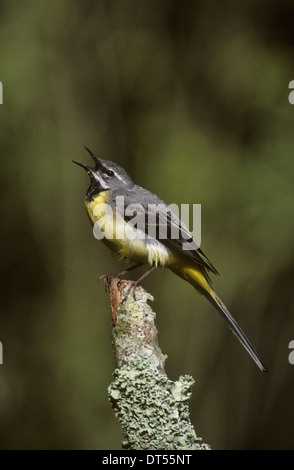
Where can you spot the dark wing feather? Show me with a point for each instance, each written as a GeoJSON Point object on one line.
{"type": "Point", "coordinates": [195, 253]}
{"type": "Point", "coordinates": [165, 216]}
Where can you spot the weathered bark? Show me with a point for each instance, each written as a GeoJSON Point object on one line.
{"type": "Point", "coordinates": [152, 410]}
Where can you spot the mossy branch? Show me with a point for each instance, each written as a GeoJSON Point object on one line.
{"type": "Point", "coordinates": [152, 410]}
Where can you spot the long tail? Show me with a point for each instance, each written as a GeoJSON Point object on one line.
{"type": "Point", "coordinates": [200, 280]}
{"type": "Point", "coordinates": [233, 325]}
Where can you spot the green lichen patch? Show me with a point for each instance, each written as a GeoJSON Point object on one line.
{"type": "Point", "coordinates": [152, 409]}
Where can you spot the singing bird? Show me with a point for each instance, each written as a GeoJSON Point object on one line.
{"type": "Point", "coordinates": [142, 243]}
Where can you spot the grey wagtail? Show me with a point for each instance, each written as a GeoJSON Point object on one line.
{"type": "Point", "coordinates": [110, 183]}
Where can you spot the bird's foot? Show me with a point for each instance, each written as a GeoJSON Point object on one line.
{"type": "Point", "coordinates": [105, 278]}
{"type": "Point", "coordinates": [134, 284]}
{"type": "Point", "coordinates": [132, 287]}
{"type": "Point", "coordinates": [109, 276]}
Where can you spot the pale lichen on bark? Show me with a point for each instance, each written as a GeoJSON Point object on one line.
{"type": "Point", "coordinates": [152, 409]}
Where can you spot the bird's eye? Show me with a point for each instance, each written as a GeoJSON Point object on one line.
{"type": "Point", "coordinates": [110, 173]}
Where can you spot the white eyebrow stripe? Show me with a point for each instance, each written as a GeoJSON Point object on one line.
{"type": "Point", "coordinates": [118, 176]}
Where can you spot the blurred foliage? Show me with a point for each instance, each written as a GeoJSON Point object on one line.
{"type": "Point", "coordinates": [192, 99]}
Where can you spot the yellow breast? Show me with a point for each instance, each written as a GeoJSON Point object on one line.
{"type": "Point", "coordinates": [111, 228]}
{"type": "Point", "coordinates": [99, 202]}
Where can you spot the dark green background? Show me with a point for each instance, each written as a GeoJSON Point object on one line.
{"type": "Point", "coordinates": [191, 97]}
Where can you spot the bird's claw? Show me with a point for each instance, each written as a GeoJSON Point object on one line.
{"type": "Point", "coordinates": [132, 287]}
{"type": "Point", "coordinates": [105, 278]}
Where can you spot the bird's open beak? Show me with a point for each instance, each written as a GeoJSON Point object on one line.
{"type": "Point", "coordinates": [86, 167]}
{"type": "Point", "coordinates": [97, 161]}
{"type": "Point", "coordinates": [91, 171]}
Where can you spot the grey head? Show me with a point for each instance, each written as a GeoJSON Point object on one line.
{"type": "Point", "coordinates": [104, 176]}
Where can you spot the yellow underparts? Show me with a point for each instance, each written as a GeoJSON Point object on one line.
{"type": "Point", "coordinates": [194, 274]}
{"type": "Point", "coordinates": [119, 235]}
{"type": "Point", "coordinates": [137, 250]}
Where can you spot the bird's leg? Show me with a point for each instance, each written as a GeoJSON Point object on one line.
{"type": "Point", "coordinates": [136, 266]}
{"type": "Point", "coordinates": [134, 284]}
{"type": "Point", "coordinates": [104, 277]}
